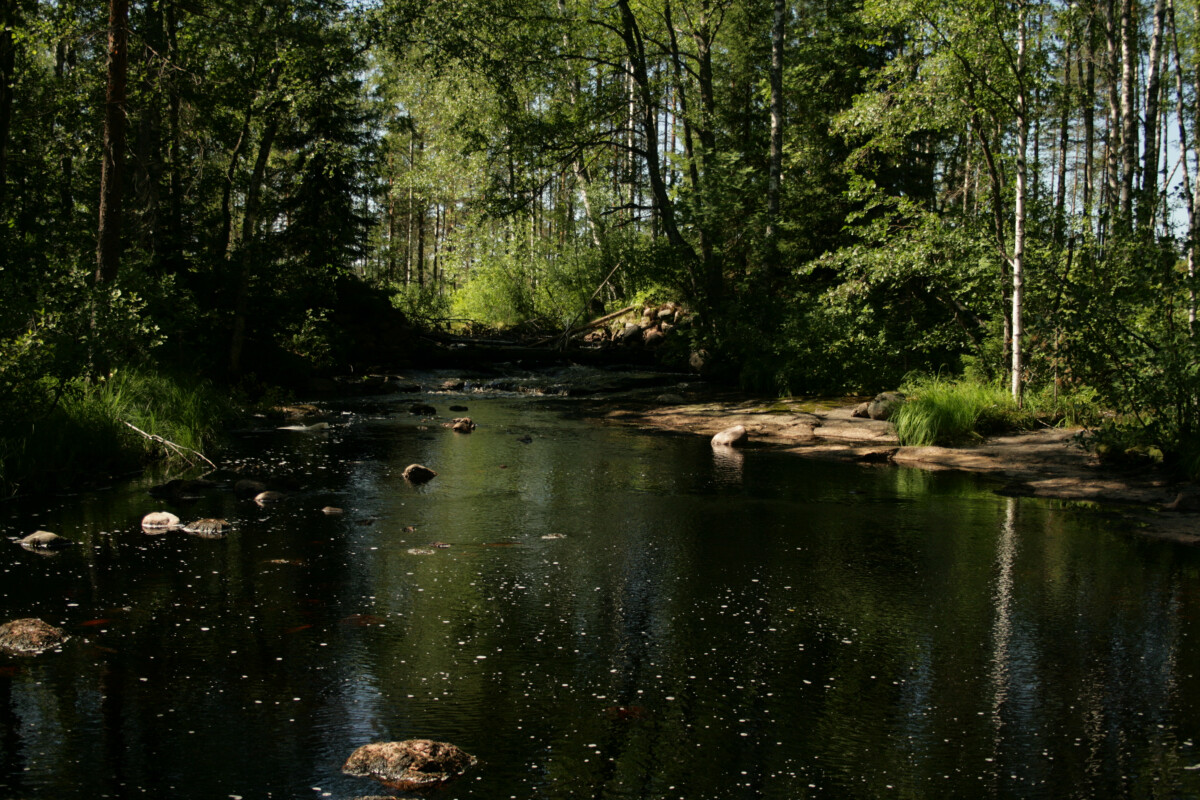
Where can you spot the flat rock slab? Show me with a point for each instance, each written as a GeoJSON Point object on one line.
{"type": "Point", "coordinates": [1047, 463]}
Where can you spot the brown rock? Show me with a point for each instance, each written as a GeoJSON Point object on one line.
{"type": "Point", "coordinates": [30, 636]}
{"type": "Point", "coordinates": [653, 337]}
{"type": "Point", "coordinates": [408, 765]}
{"type": "Point", "coordinates": [208, 528]}
{"type": "Point", "coordinates": [862, 410]}
{"type": "Point", "coordinates": [416, 473]}
{"type": "Point", "coordinates": [462, 425]}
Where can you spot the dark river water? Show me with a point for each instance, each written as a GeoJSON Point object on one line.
{"type": "Point", "coordinates": [617, 615]}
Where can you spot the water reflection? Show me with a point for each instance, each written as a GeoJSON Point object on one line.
{"type": "Point", "coordinates": [615, 615]}
{"type": "Point", "coordinates": [727, 464]}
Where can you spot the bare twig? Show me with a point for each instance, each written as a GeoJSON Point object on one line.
{"type": "Point", "coordinates": [177, 448]}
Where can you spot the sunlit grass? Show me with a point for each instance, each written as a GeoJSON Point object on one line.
{"type": "Point", "coordinates": [954, 412]}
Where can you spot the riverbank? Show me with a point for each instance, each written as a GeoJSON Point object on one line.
{"type": "Point", "coordinates": [1051, 463]}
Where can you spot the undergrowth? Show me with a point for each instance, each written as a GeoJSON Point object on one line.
{"type": "Point", "coordinates": [86, 433]}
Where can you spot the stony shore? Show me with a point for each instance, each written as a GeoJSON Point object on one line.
{"type": "Point", "coordinates": [1048, 463]}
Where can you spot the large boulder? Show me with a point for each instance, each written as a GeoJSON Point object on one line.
{"type": "Point", "coordinates": [417, 473]}
{"type": "Point", "coordinates": [30, 636]}
{"type": "Point", "coordinates": [731, 437]}
{"type": "Point", "coordinates": [885, 404]}
{"type": "Point", "coordinates": [409, 765]}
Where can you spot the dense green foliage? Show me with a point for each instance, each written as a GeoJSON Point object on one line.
{"type": "Point", "coordinates": [846, 191]}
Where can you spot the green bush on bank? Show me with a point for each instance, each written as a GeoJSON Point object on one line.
{"type": "Point", "coordinates": [84, 433]}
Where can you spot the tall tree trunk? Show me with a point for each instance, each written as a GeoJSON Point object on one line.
{"type": "Point", "coordinates": [108, 245]}
{"type": "Point", "coordinates": [422, 209]}
{"type": "Point", "coordinates": [775, 156]}
{"type": "Point", "coordinates": [1152, 125]}
{"type": "Point", "coordinates": [632, 36]}
{"type": "Point", "coordinates": [63, 60]}
{"type": "Point", "coordinates": [1018, 250]}
{"type": "Point", "coordinates": [8, 78]}
{"type": "Point", "coordinates": [1112, 145]}
{"type": "Point", "coordinates": [1089, 117]}
{"type": "Point", "coordinates": [1129, 117]}
{"type": "Point", "coordinates": [174, 255]}
{"type": "Point", "coordinates": [249, 246]}
{"type": "Point", "coordinates": [1060, 190]}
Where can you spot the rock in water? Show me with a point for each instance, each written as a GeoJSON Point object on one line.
{"type": "Point", "coordinates": [248, 487]}
{"type": "Point", "coordinates": [208, 528]}
{"type": "Point", "coordinates": [44, 540]}
{"type": "Point", "coordinates": [731, 437]}
{"type": "Point", "coordinates": [416, 473]}
{"type": "Point", "coordinates": [332, 511]}
{"type": "Point", "coordinates": [30, 636]}
{"type": "Point", "coordinates": [268, 497]}
{"type": "Point", "coordinates": [462, 425]}
{"type": "Point", "coordinates": [408, 765]}
{"type": "Point", "coordinates": [160, 521]}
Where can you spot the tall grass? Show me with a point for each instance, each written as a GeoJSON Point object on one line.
{"type": "Point", "coordinates": [949, 412]}
{"type": "Point", "coordinates": [85, 435]}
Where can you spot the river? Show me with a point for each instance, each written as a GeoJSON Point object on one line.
{"type": "Point", "coordinates": [597, 612]}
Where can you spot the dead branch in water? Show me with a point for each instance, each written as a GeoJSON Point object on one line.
{"type": "Point", "coordinates": [171, 445]}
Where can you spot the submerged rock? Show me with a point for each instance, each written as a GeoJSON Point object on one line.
{"type": "Point", "coordinates": [181, 490]}
{"type": "Point", "coordinates": [160, 522]}
{"type": "Point", "coordinates": [248, 487]}
{"type": "Point", "coordinates": [208, 528]}
{"type": "Point", "coordinates": [332, 511]}
{"type": "Point", "coordinates": [416, 473]}
{"type": "Point", "coordinates": [30, 636]}
{"type": "Point", "coordinates": [268, 497]}
{"type": "Point", "coordinates": [731, 437]}
{"type": "Point", "coordinates": [422, 409]}
{"type": "Point", "coordinates": [462, 425]}
{"type": "Point", "coordinates": [409, 765]}
{"type": "Point", "coordinates": [44, 540]}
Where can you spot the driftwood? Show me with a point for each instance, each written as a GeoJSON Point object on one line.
{"type": "Point", "coordinates": [171, 445]}
{"type": "Point", "coordinates": [567, 334]}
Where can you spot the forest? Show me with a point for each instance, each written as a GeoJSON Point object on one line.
{"type": "Point", "coordinates": [200, 200]}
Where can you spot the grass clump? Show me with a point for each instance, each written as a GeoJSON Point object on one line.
{"type": "Point", "coordinates": [82, 433]}
{"type": "Point", "coordinates": [952, 412]}
{"type": "Point", "coordinates": [943, 412]}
